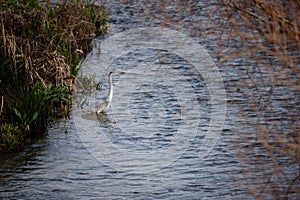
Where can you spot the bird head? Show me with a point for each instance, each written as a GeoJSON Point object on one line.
{"type": "Point", "coordinates": [114, 73]}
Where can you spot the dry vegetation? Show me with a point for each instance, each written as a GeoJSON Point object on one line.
{"type": "Point", "coordinates": [266, 36]}
{"type": "Point", "coordinates": [49, 42]}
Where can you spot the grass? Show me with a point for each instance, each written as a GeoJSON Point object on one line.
{"type": "Point", "coordinates": [41, 49]}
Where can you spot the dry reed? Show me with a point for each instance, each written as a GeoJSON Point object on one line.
{"type": "Point", "coordinates": [265, 35]}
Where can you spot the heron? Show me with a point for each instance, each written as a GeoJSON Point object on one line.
{"type": "Point", "coordinates": [104, 102]}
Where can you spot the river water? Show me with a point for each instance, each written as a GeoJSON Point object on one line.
{"type": "Point", "coordinates": [169, 131]}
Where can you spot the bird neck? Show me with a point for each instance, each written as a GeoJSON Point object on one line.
{"type": "Point", "coordinates": [110, 94]}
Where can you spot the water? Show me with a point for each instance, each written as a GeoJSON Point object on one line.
{"type": "Point", "coordinates": [168, 133]}
{"type": "Point", "coordinates": [60, 167]}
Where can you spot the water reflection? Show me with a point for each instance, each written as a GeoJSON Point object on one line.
{"type": "Point", "coordinates": [105, 121]}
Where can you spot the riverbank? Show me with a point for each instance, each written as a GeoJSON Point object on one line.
{"type": "Point", "coordinates": [41, 48]}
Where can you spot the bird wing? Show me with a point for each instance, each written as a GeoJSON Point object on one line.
{"type": "Point", "coordinates": [101, 104]}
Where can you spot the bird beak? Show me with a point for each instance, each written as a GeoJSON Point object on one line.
{"type": "Point", "coordinates": [114, 73]}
